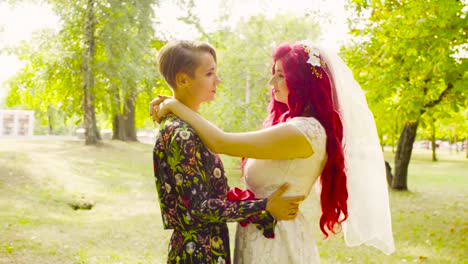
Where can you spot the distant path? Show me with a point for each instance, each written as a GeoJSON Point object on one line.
{"type": "Point", "coordinates": [145, 138]}
{"type": "Point", "coordinates": [45, 137]}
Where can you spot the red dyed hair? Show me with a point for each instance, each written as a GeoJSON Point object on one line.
{"type": "Point", "coordinates": [312, 96]}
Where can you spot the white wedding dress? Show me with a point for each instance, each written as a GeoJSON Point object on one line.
{"type": "Point", "coordinates": [293, 242]}
{"type": "Point", "coordinates": [369, 218]}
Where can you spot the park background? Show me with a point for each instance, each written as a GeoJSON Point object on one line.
{"type": "Point", "coordinates": [81, 188]}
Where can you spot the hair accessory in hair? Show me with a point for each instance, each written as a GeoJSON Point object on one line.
{"type": "Point", "coordinates": [314, 57]}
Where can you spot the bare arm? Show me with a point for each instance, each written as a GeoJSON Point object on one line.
{"type": "Point", "coordinates": [282, 141]}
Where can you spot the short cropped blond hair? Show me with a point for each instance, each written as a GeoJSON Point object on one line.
{"type": "Point", "coordinates": [181, 56]}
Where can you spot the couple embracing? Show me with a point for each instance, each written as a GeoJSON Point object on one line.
{"type": "Point", "coordinates": [319, 130]}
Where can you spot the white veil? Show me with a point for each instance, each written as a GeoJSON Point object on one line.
{"type": "Point", "coordinates": [369, 220]}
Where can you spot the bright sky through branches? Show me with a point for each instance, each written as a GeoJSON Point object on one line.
{"type": "Point", "coordinates": [17, 23]}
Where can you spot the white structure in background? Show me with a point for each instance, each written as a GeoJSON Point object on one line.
{"type": "Point", "coordinates": [16, 123]}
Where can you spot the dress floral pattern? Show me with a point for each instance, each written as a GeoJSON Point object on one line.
{"type": "Point", "coordinates": [192, 190]}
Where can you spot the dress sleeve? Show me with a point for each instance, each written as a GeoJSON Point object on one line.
{"type": "Point", "coordinates": [193, 187]}
{"type": "Point", "coordinates": [312, 130]}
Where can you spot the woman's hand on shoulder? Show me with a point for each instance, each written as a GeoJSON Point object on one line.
{"type": "Point", "coordinates": [160, 107]}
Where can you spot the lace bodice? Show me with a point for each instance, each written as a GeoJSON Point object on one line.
{"type": "Point", "coordinates": [265, 176]}
{"type": "Point", "coordinates": [293, 242]}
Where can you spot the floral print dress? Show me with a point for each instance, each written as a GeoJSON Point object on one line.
{"type": "Point", "coordinates": [192, 190]}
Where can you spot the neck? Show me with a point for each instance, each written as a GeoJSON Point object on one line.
{"type": "Point", "coordinates": [188, 101]}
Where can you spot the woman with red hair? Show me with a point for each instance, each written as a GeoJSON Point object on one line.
{"type": "Point", "coordinates": [319, 128]}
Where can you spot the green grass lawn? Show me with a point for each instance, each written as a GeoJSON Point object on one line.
{"type": "Point", "coordinates": [40, 179]}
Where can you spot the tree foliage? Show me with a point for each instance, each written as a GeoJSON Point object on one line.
{"type": "Point", "coordinates": [404, 56]}
{"type": "Point", "coordinates": [244, 56]}
{"type": "Point", "coordinates": [123, 64]}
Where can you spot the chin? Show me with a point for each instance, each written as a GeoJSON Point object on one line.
{"type": "Point", "coordinates": [279, 100]}
{"type": "Point", "coordinates": [209, 99]}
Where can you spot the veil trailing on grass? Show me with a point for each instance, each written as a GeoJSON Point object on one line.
{"type": "Point", "coordinates": [369, 220]}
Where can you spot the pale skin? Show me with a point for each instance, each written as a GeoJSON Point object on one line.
{"type": "Point", "coordinates": [190, 92]}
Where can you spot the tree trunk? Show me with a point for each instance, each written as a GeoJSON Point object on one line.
{"type": "Point", "coordinates": [433, 141]}
{"type": "Point", "coordinates": [466, 148]}
{"type": "Point", "coordinates": [91, 132]}
{"type": "Point", "coordinates": [118, 132]}
{"type": "Point", "coordinates": [50, 120]}
{"type": "Point", "coordinates": [115, 126]}
{"type": "Point", "coordinates": [118, 128]}
{"type": "Point", "coordinates": [403, 155]}
{"type": "Point", "coordinates": [129, 119]}
{"type": "Point", "coordinates": [123, 125]}
{"type": "Point", "coordinates": [388, 171]}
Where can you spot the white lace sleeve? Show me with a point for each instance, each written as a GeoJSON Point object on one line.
{"type": "Point", "coordinates": [312, 130]}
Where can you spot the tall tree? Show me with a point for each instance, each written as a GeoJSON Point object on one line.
{"type": "Point", "coordinates": [87, 71]}
{"type": "Point", "coordinates": [404, 56]}
{"type": "Point", "coordinates": [126, 37]}
{"type": "Point", "coordinates": [97, 66]}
